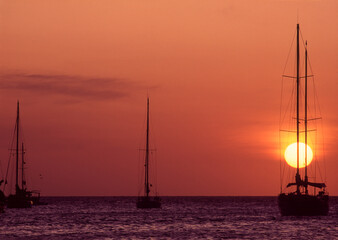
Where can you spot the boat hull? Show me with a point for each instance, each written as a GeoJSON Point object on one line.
{"type": "Point", "coordinates": [15, 201]}
{"type": "Point", "coordinates": [303, 205]}
{"type": "Point", "coordinates": [147, 202]}
{"type": "Point", "coordinates": [2, 200]}
{"type": "Point", "coordinates": [37, 202]}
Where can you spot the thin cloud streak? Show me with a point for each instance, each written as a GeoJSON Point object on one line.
{"type": "Point", "coordinates": [81, 88]}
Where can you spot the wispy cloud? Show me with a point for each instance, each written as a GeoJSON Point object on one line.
{"type": "Point", "coordinates": [78, 87]}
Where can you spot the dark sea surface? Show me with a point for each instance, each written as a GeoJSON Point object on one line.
{"type": "Point", "coordinates": [179, 217]}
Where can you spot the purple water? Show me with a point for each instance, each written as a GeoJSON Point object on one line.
{"type": "Point", "coordinates": [180, 217]}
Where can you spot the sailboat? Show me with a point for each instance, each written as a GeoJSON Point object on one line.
{"type": "Point", "coordinates": [147, 201]}
{"type": "Point", "coordinates": [21, 198]}
{"type": "Point", "coordinates": [301, 202]}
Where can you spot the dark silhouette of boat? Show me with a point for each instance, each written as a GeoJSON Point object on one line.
{"type": "Point", "coordinates": [2, 199]}
{"type": "Point", "coordinates": [36, 198]}
{"type": "Point", "coordinates": [301, 202]}
{"type": "Point", "coordinates": [21, 198]}
{"type": "Point", "coordinates": [147, 201]}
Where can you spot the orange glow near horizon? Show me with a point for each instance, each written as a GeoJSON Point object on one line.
{"type": "Point", "coordinates": [290, 155]}
{"type": "Point", "coordinates": [82, 71]}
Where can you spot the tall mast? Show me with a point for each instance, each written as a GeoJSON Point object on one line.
{"type": "Point", "coordinates": [147, 155]}
{"type": "Point", "coordinates": [22, 165]}
{"type": "Point", "coordinates": [17, 150]}
{"type": "Point", "coordinates": [297, 175]}
{"type": "Point", "coordinates": [305, 120]}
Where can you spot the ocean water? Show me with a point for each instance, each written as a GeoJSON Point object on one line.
{"type": "Point", "coordinates": [179, 217]}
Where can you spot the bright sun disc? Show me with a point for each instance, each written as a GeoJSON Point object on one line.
{"type": "Point", "coordinates": [290, 155]}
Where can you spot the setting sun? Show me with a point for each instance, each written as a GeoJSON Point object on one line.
{"type": "Point", "coordinates": [290, 155]}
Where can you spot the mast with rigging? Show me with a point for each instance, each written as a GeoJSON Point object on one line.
{"type": "Point", "coordinates": [17, 189]}
{"type": "Point", "coordinates": [146, 181]}
{"type": "Point", "coordinates": [147, 201]}
{"type": "Point", "coordinates": [301, 202]}
{"type": "Point", "coordinates": [298, 83]}
{"type": "Point", "coordinates": [305, 122]}
{"type": "Point", "coordinates": [21, 198]}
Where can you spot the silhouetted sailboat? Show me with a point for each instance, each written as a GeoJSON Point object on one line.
{"type": "Point", "coordinates": [22, 197]}
{"type": "Point", "coordinates": [300, 202]}
{"type": "Point", "coordinates": [147, 201]}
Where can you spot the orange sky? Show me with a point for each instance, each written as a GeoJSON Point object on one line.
{"type": "Point", "coordinates": [82, 69]}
